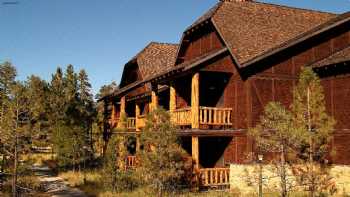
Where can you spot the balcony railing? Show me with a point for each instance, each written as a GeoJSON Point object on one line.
{"type": "Point", "coordinates": [212, 177]}
{"type": "Point", "coordinates": [215, 116]}
{"type": "Point", "coordinates": [181, 116]}
{"type": "Point", "coordinates": [131, 123]}
{"type": "Point", "coordinates": [130, 162]}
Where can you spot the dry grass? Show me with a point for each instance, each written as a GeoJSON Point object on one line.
{"type": "Point", "coordinates": [76, 179]}
{"type": "Point", "coordinates": [38, 158]}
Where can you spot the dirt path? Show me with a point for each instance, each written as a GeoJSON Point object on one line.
{"type": "Point", "coordinates": [53, 185]}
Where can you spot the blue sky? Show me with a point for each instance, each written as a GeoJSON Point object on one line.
{"type": "Point", "coordinates": [101, 35]}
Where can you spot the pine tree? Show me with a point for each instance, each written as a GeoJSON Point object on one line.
{"type": "Point", "coordinates": [275, 133]}
{"type": "Point", "coordinates": [57, 111]}
{"type": "Point", "coordinates": [38, 107]}
{"type": "Point", "coordinates": [7, 79]}
{"type": "Point", "coordinates": [163, 163]}
{"type": "Point", "coordinates": [100, 116]}
{"type": "Point", "coordinates": [14, 127]}
{"type": "Point", "coordinates": [311, 119]}
{"type": "Point", "coordinates": [87, 109]}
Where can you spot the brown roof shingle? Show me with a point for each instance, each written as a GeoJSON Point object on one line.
{"type": "Point", "coordinates": [156, 58]}
{"type": "Point", "coordinates": [252, 28]}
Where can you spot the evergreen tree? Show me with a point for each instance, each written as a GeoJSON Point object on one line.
{"type": "Point", "coordinates": [100, 110]}
{"type": "Point", "coordinates": [7, 79]}
{"type": "Point", "coordinates": [15, 128]}
{"type": "Point", "coordinates": [87, 109]}
{"type": "Point", "coordinates": [275, 133]}
{"type": "Point", "coordinates": [57, 111]}
{"type": "Point", "coordinates": [38, 107]}
{"type": "Point", "coordinates": [163, 164]}
{"type": "Point", "coordinates": [311, 119]}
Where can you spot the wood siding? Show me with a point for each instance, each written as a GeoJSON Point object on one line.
{"type": "Point", "coordinates": [199, 43]}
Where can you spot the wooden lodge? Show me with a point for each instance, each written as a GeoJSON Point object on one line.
{"type": "Point", "coordinates": [229, 64]}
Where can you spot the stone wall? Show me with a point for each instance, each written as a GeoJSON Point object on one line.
{"type": "Point", "coordinates": [244, 179]}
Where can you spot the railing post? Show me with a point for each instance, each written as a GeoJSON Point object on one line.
{"type": "Point", "coordinates": [154, 97]}
{"type": "Point", "coordinates": [195, 101]}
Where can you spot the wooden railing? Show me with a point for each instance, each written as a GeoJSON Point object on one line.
{"type": "Point", "coordinates": [181, 116]}
{"type": "Point", "coordinates": [131, 123]}
{"type": "Point", "coordinates": [130, 162]}
{"type": "Point", "coordinates": [210, 177]}
{"type": "Point", "coordinates": [215, 116]}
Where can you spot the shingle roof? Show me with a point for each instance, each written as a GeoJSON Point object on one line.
{"type": "Point", "coordinates": [338, 57]}
{"type": "Point", "coordinates": [156, 58]}
{"type": "Point", "coordinates": [251, 28]}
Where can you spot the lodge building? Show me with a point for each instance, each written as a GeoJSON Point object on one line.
{"type": "Point", "coordinates": [229, 64]}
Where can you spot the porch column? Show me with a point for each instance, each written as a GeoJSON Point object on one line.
{"type": "Point", "coordinates": [195, 101]}
{"type": "Point", "coordinates": [137, 114]}
{"type": "Point", "coordinates": [113, 114]}
{"type": "Point", "coordinates": [195, 152]}
{"type": "Point", "coordinates": [123, 117]}
{"type": "Point", "coordinates": [172, 103]}
{"type": "Point", "coordinates": [154, 97]}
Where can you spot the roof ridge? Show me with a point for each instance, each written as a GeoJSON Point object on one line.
{"type": "Point", "coordinates": [205, 16]}
{"type": "Point", "coordinates": [291, 7]}
{"type": "Point", "coordinates": [163, 43]}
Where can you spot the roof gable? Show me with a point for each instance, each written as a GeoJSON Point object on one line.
{"type": "Point", "coordinates": [152, 60]}
{"type": "Point", "coordinates": [250, 29]}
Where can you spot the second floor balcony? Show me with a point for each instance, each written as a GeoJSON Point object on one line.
{"type": "Point", "coordinates": [207, 116]}
{"type": "Point", "coordinates": [193, 103]}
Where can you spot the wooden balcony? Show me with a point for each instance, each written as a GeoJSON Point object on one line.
{"type": "Point", "coordinates": [131, 123]}
{"type": "Point", "coordinates": [212, 116]}
{"type": "Point", "coordinates": [181, 117]}
{"type": "Point", "coordinates": [214, 177]}
{"type": "Point", "coordinates": [207, 116]}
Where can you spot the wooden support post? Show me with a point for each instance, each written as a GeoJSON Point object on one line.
{"type": "Point", "coordinates": [195, 101]}
{"type": "Point", "coordinates": [195, 152]}
{"type": "Point", "coordinates": [138, 145]}
{"type": "Point", "coordinates": [195, 159]}
{"type": "Point", "coordinates": [172, 103]}
{"type": "Point", "coordinates": [123, 117]}
{"type": "Point", "coordinates": [137, 114]}
{"type": "Point", "coordinates": [154, 98]}
{"type": "Point", "coordinates": [114, 114]}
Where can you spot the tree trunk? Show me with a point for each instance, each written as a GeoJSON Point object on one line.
{"type": "Point", "coordinates": [311, 159]}
{"type": "Point", "coordinates": [14, 175]}
{"type": "Point", "coordinates": [283, 173]}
